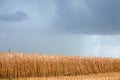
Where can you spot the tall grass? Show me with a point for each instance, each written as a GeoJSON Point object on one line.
{"type": "Point", "coordinates": [13, 65]}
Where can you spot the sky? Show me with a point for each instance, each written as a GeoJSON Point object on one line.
{"type": "Point", "coordinates": [62, 27]}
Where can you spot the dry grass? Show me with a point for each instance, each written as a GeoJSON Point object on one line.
{"type": "Point", "coordinates": [13, 65]}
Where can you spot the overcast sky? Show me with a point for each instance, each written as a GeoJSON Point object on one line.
{"type": "Point", "coordinates": [64, 27]}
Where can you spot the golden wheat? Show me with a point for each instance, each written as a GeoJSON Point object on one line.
{"type": "Point", "coordinates": [14, 65]}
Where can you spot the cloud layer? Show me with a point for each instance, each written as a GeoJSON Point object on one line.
{"type": "Point", "coordinates": [85, 27]}
{"type": "Point", "coordinates": [97, 17]}
{"type": "Point", "coordinates": [88, 16]}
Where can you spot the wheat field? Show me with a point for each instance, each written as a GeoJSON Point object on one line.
{"type": "Point", "coordinates": [16, 65]}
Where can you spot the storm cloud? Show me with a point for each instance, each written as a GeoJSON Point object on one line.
{"type": "Point", "coordinates": [16, 16]}
{"type": "Point", "coordinates": [67, 27]}
{"type": "Point", "coordinates": [88, 16]}
{"type": "Point", "coordinates": [95, 17]}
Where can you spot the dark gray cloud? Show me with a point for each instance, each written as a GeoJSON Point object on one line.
{"type": "Point", "coordinates": [16, 16]}
{"type": "Point", "coordinates": [88, 16]}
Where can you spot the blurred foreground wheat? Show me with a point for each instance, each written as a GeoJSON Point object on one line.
{"type": "Point", "coordinates": [14, 65]}
{"type": "Point", "coordinates": [103, 76]}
